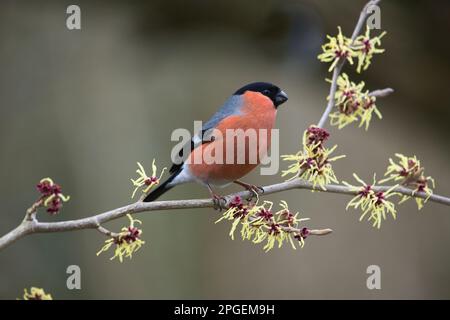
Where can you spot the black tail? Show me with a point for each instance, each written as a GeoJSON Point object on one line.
{"type": "Point", "coordinates": [161, 189]}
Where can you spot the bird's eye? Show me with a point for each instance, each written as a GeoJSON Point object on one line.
{"type": "Point", "coordinates": [266, 92]}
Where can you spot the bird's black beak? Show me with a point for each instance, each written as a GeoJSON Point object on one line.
{"type": "Point", "coordinates": [280, 98]}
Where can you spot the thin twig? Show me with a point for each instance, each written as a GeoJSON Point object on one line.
{"type": "Point", "coordinates": [107, 232]}
{"type": "Point", "coordinates": [381, 93]}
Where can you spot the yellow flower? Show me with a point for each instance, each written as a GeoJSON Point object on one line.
{"type": "Point", "coordinates": [353, 104]}
{"type": "Point", "coordinates": [341, 47]}
{"type": "Point", "coordinates": [365, 47]}
{"type": "Point", "coordinates": [127, 241]}
{"type": "Point", "coordinates": [313, 163]}
{"type": "Point", "coordinates": [259, 224]}
{"type": "Point", "coordinates": [368, 109]}
{"type": "Point", "coordinates": [36, 294]}
{"type": "Point", "coordinates": [335, 49]}
{"type": "Point", "coordinates": [372, 202]}
{"type": "Point", "coordinates": [346, 89]}
{"type": "Point", "coordinates": [145, 181]}
{"type": "Point", "coordinates": [409, 173]}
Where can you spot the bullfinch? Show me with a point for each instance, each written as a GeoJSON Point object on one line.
{"type": "Point", "coordinates": [253, 106]}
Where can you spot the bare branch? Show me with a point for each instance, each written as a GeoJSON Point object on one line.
{"type": "Point", "coordinates": [320, 232]}
{"type": "Point", "coordinates": [381, 93]}
{"type": "Point", "coordinates": [93, 222]}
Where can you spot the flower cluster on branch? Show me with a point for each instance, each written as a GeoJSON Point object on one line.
{"type": "Point", "coordinates": [353, 103]}
{"type": "Point", "coordinates": [126, 242]}
{"type": "Point", "coordinates": [409, 173]}
{"type": "Point", "coordinates": [373, 204]}
{"type": "Point", "coordinates": [350, 99]}
{"type": "Point", "coordinates": [340, 48]}
{"type": "Point", "coordinates": [313, 163]}
{"type": "Point", "coordinates": [259, 223]}
{"type": "Point", "coordinates": [337, 48]}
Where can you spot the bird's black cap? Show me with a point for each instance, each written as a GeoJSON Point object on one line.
{"type": "Point", "coordinates": [268, 89]}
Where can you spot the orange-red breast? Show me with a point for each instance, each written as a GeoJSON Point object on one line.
{"type": "Point", "coordinates": [253, 106]}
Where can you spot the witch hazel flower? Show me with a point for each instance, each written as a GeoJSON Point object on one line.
{"type": "Point", "coordinates": [127, 241]}
{"type": "Point", "coordinates": [51, 196]}
{"type": "Point", "coordinates": [373, 204]}
{"type": "Point", "coordinates": [337, 48]}
{"type": "Point", "coordinates": [313, 163]}
{"type": "Point", "coordinates": [365, 47]}
{"type": "Point", "coordinates": [36, 294]}
{"type": "Point", "coordinates": [340, 47]}
{"type": "Point", "coordinates": [144, 182]}
{"type": "Point", "coordinates": [259, 223]}
{"type": "Point", "coordinates": [353, 104]}
{"type": "Point", "coordinates": [283, 228]}
{"type": "Point", "coordinates": [408, 172]}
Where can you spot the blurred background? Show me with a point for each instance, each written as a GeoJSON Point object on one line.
{"type": "Point", "coordinates": [83, 106]}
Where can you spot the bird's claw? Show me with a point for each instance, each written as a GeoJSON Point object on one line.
{"type": "Point", "coordinates": [255, 192]}
{"type": "Point", "coordinates": [219, 202]}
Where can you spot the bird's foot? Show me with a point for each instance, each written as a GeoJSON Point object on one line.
{"type": "Point", "coordinates": [220, 202]}
{"type": "Point", "coordinates": [255, 190]}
